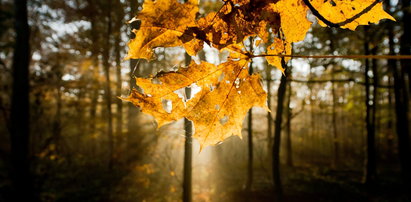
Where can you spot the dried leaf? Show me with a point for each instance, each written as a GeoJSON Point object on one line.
{"type": "Point", "coordinates": [163, 22]}
{"type": "Point", "coordinates": [217, 111]}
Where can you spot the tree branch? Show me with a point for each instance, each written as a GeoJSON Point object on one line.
{"type": "Point", "coordinates": [340, 24]}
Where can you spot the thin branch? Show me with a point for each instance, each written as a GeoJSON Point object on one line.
{"type": "Point", "coordinates": [394, 57]}
{"type": "Point", "coordinates": [336, 81]}
{"type": "Point", "coordinates": [340, 24]}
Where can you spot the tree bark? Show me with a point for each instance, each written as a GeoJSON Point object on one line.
{"type": "Point", "coordinates": [132, 111]}
{"type": "Point", "coordinates": [278, 189]}
{"type": "Point", "coordinates": [94, 75]}
{"type": "Point", "coordinates": [336, 141]}
{"type": "Point", "coordinates": [188, 149]}
{"type": "Point", "coordinates": [289, 114]}
{"type": "Point", "coordinates": [249, 182]}
{"type": "Point", "coordinates": [119, 103]}
{"type": "Point", "coordinates": [370, 159]}
{"type": "Point", "coordinates": [106, 61]}
{"type": "Point", "coordinates": [401, 97]}
{"type": "Point", "coordinates": [22, 179]}
{"type": "Point", "coordinates": [392, 66]}
{"type": "Point", "coordinates": [269, 117]}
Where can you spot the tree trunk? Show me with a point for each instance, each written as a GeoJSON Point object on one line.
{"type": "Point", "coordinates": [269, 117]}
{"type": "Point", "coordinates": [289, 114]}
{"type": "Point", "coordinates": [401, 109]}
{"type": "Point", "coordinates": [188, 149]}
{"type": "Point", "coordinates": [405, 39]}
{"type": "Point", "coordinates": [106, 61]}
{"type": "Point", "coordinates": [336, 141]}
{"type": "Point", "coordinates": [278, 189]}
{"type": "Point", "coordinates": [249, 182]}
{"type": "Point", "coordinates": [94, 76]}
{"type": "Point", "coordinates": [132, 111]}
{"type": "Point", "coordinates": [401, 97]}
{"type": "Point", "coordinates": [22, 179]}
{"type": "Point", "coordinates": [119, 126]}
{"type": "Point", "coordinates": [370, 160]}
{"type": "Point", "coordinates": [392, 66]}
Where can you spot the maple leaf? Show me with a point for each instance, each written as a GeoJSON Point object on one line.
{"type": "Point", "coordinates": [293, 15]}
{"type": "Point", "coordinates": [227, 90]}
{"type": "Point", "coordinates": [217, 111]}
{"type": "Point", "coordinates": [163, 22]}
{"type": "Point", "coordinates": [161, 90]}
{"type": "Point", "coordinates": [235, 22]}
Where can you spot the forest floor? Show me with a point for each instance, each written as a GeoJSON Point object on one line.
{"type": "Point", "coordinates": [301, 184]}
{"type": "Point", "coordinates": [309, 184]}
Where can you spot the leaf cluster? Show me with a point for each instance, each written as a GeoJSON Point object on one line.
{"type": "Point", "coordinates": [228, 91]}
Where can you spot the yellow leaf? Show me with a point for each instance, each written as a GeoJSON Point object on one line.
{"type": "Point", "coordinates": [163, 22]}
{"type": "Point", "coordinates": [293, 14]}
{"type": "Point", "coordinates": [160, 91]}
{"type": "Point", "coordinates": [217, 111]}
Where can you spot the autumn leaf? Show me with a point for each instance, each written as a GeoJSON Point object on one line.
{"type": "Point", "coordinates": [160, 91]}
{"type": "Point", "coordinates": [227, 90]}
{"type": "Point", "coordinates": [163, 22]}
{"type": "Point", "coordinates": [293, 17]}
{"type": "Point", "coordinates": [217, 111]}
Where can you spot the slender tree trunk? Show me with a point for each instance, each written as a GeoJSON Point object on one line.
{"type": "Point", "coordinates": [269, 117]}
{"type": "Point", "coordinates": [405, 39]}
{"type": "Point", "coordinates": [132, 111]}
{"type": "Point", "coordinates": [57, 117]}
{"type": "Point", "coordinates": [95, 74]}
{"type": "Point", "coordinates": [401, 97]}
{"type": "Point", "coordinates": [23, 188]}
{"type": "Point", "coordinates": [336, 141]}
{"type": "Point", "coordinates": [370, 160]}
{"type": "Point", "coordinates": [392, 66]}
{"type": "Point", "coordinates": [119, 126]}
{"type": "Point", "coordinates": [188, 149]}
{"type": "Point", "coordinates": [289, 114]}
{"type": "Point", "coordinates": [312, 130]}
{"type": "Point", "coordinates": [249, 182]}
{"type": "Point", "coordinates": [277, 136]}
{"type": "Point", "coordinates": [106, 60]}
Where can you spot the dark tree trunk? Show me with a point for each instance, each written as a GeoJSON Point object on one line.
{"type": "Point", "coordinates": [336, 141]}
{"type": "Point", "coordinates": [117, 49]}
{"type": "Point", "coordinates": [401, 97]}
{"type": "Point", "coordinates": [188, 149]}
{"type": "Point", "coordinates": [94, 75]}
{"type": "Point", "coordinates": [269, 117]}
{"type": "Point", "coordinates": [278, 189]}
{"type": "Point", "coordinates": [23, 189]}
{"type": "Point", "coordinates": [405, 39]}
{"type": "Point", "coordinates": [370, 159]}
{"type": "Point", "coordinates": [132, 111]}
{"type": "Point", "coordinates": [249, 182]}
{"type": "Point", "coordinates": [289, 114]}
{"type": "Point", "coordinates": [392, 66]}
{"type": "Point", "coordinates": [106, 61]}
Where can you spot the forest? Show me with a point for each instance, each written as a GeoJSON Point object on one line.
{"type": "Point", "coordinates": [205, 100]}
